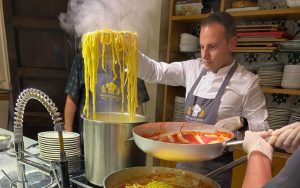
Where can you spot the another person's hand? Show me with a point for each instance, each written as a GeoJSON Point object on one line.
{"type": "Point", "coordinates": [288, 137]}
{"type": "Point", "coordinates": [232, 124]}
{"type": "Point", "coordinates": [254, 141]}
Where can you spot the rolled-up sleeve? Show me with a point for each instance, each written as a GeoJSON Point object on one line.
{"type": "Point", "coordinates": [161, 72]}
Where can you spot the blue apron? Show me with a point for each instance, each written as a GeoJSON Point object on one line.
{"type": "Point", "coordinates": [203, 110]}
{"type": "Point", "coordinates": [108, 93]}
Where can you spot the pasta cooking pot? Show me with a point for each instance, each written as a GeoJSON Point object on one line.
{"type": "Point", "coordinates": [176, 151]}
{"type": "Point", "coordinates": [171, 176]}
{"type": "Point", "coordinates": [106, 145]}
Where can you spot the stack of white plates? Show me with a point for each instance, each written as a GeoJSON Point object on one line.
{"type": "Point", "coordinates": [295, 116]}
{"type": "Point", "coordinates": [270, 73]}
{"type": "Point", "coordinates": [271, 66]}
{"type": "Point", "coordinates": [179, 109]}
{"type": "Point", "coordinates": [50, 150]}
{"type": "Point", "coordinates": [278, 117]}
{"type": "Point", "coordinates": [291, 77]}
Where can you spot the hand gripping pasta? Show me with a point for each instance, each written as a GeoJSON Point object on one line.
{"type": "Point", "coordinates": [122, 46]}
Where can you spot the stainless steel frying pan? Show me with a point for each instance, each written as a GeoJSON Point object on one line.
{"type": "Point", "coordinates": [119, 178]}
{"type": "Point", "coordinates": [175, 151]}
{"type": "Point", "coordinates": [188, 179]}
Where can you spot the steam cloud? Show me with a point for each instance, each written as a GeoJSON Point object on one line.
{"type": "Point", "coordinates": [85, 16]}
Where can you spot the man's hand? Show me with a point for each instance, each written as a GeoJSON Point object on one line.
{"type": "Point", "coordinates": [288, 137]}
{"type": "Point", "coordinates": [232, 124]}
{"type": "Point", "coordinates": [254, 141]}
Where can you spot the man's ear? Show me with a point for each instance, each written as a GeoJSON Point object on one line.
{"type": "Point", "coordinates": [233, 43]}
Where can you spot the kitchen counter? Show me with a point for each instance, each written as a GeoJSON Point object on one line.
{"type": "Point", "coordinates": [7, 162]}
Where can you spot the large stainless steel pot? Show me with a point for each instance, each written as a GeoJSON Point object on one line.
{"type": "Point", "coordinates": [175, 151]}
{"type": "Point", "coordinates": [106, 145]}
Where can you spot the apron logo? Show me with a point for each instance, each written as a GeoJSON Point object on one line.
{"type": "Point", "coordinates": [109, 89]}
{"type": "Point", "coordinates": [197, 111]}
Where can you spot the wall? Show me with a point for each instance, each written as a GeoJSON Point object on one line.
{"type": "Point", "coordinates": [151, 47]}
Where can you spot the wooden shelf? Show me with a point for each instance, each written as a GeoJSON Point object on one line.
{"type": "Point", "coordinates": [268, 89]}
{"type": "Point", "coordinates": [193, 18]}
{"type": "Point", "coordinates": [254, 51]}
{"type": "Point", "coordinates": [288, 13]}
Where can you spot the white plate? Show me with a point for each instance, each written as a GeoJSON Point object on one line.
{"type": "Point", "coordinates": [241, 9]}
{"type": "Point", "coordinates": [52, 147]}
{"type": "Point", "coordinates": [54, 135]}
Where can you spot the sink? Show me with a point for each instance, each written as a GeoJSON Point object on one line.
{"type": "Point", "coordinates": [35, 178]}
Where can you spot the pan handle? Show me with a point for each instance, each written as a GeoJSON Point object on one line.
{"type": "Point", "coordinates": [129, 140]}
{"type": "Point", "coordinates": [227, 167]}
{"type": "Point", "coordinates": [233, 143]}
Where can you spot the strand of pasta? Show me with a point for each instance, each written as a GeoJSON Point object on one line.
{"type": "Point", "coordinates": [123, 44]}
{"type": "Point", "coordinates": [152, 184]}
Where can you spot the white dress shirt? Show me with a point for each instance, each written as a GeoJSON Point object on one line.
{"type": "Point", "coordinates": [242, 96]}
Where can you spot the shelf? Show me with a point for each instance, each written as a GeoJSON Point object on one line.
{"type": "Point", "coordinates": [254, 51]}
{"type": "Point", "coordinates": [193, 18]}
{"type": "Point", "coordinates": [268, 89]}
{"type": "Point", "coordinates": [290, 13]}
{"type": "Point", "coordinates": [266, 51]}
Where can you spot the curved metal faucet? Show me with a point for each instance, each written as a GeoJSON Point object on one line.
{"type": "Point", "coordinates": [22, 100]}
{"type": "Point", "coordinates": [31, 93]}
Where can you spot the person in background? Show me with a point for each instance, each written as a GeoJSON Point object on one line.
{"type": "Point", "coordinates": [260, 152]}
{"type": "Point", "coordinates": [75, 96]}
{"type": "Point", "coordinates": [218, 89]}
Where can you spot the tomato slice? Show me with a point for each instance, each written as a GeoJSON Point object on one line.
{"type": "Point", "coordinates": [190, 137]}
{"type": "Point", "coordinates": [208, 139]}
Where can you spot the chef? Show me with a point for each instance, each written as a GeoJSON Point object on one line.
{"type": "Point", "coordinates": [218, 89]}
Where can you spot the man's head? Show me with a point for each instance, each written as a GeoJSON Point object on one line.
{"type": "Point", "coordinates": [217, 40]}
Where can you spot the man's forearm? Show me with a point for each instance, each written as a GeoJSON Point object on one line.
{"type": "Point", "coordinates": [258, 171]}
{"type": "Point", "coordinates": [69, 113]}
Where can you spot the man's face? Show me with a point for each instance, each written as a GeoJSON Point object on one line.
{"type": "Point", "coordinates": [216, 50]}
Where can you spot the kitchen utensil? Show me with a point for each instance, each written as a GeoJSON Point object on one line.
{"type": "Point", "coordinates": [175, 151]}
{"type": "Point", "coordinates": [4, 141]}
{"type": "Point", "coordinates": [118, 178]}
{"type": "Point", "coordinates": [106, 145]}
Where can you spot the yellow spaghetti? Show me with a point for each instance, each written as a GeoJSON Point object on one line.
{"type": "Point", "coordinates": [152, 184]}
{"type": "Point", "coordinates": [122, 46]}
